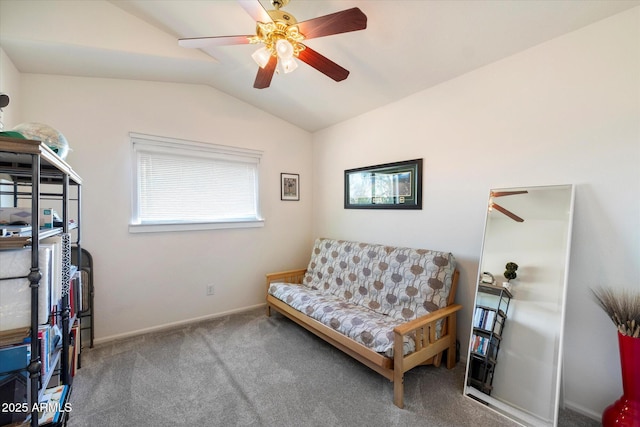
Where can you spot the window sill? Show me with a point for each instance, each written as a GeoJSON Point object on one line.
{"type": "Point", "coordinates": [194, 226]}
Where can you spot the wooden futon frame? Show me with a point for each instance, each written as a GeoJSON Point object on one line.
{"type": "Point", "coordinates": [429, 350]}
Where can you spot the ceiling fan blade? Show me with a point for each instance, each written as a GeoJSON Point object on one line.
{"type": "Point", "coordinates": [336, 23]}
{"type": "Point", "coordinates": [323, 64]}
{"type": "Point", "coordinates": [507, 213]}
{"type": "Point", "coordinates": [255, 10]}
{"type": "Point", "coordinates": [507, 193]}
{"type": "Point", "coordinates": [264, 76]}
{"type": "Point", "coordinates": [197, 42]}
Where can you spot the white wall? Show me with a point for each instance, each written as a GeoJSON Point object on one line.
{"type": "Point", "coordinates": [153, 279]}
{"type": "Point", "coordinates": [9, 84]}
{"type": "Point", "coordinates": [566, 111]}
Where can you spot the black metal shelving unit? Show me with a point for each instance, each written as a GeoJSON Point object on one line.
{"type": "Point", "coordinates": [32, 166]}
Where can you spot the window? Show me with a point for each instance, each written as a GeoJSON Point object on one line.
{"type": "Point", "coordinates": [186, 185]}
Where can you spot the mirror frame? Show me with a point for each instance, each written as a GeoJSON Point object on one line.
{"type": "Point", "coordinates": [502, 407]}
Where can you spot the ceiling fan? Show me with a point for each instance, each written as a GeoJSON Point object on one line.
{"type": "Point", "coordinates": [493, 205]}
{"type": "Point", "coordinates": [282, 36]}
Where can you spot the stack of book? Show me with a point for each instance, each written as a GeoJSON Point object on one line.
{"type": "Point", "coordinates": [481, 345]}
{"type": "Point", "coordinates": [483, 318]}
{"type": "Point", "coordinates": [54, 406]}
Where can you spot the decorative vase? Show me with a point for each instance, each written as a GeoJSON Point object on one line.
{"type": "Point", "coordinates": [625, 412]}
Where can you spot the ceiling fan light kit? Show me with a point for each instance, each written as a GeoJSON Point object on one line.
{"type": "Point", "coordinates": [281, 39]}
{"type": "Point", "coordinates": [281, 36]}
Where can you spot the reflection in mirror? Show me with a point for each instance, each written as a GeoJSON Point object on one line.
{"type": "Point", "coordinates": [515, 347]}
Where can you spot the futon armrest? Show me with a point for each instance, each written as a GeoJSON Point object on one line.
{"type": "Point", "coordinates": [423, 332]}
{"type": "Point", "coordinates": [289, 276]}
{"type": "Point", "coordinates": [420, 322]}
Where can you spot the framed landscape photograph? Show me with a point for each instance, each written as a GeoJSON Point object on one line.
{"type": "Point", "coordinates": [388, 186]}
{"type": "Point", "coordinates": [289, 186]}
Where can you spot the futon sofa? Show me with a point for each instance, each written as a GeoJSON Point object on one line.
{"type": "Point", "coordinates": [391, 308]}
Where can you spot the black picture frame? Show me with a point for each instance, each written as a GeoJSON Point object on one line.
{"type": "Point", "coordinates": [290, 186]}
{"type": "Point", "coordinates": [387, 186]}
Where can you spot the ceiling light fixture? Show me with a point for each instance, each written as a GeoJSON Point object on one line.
{"type": "Point", "coordinates": [281, 39]}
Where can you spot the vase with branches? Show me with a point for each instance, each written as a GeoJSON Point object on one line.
{"type": "Point", "coordinates": [623, 308]}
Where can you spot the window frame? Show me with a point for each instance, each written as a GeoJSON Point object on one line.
{"type": "Point", "coordinates": [166, 145]}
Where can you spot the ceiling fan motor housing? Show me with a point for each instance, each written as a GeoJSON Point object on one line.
{"type": "Point", "coordinates": [281, 16]}
{"type": "Point", "coordinates": [283, 27]}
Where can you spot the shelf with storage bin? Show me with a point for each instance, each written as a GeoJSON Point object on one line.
{"type": "Point", "coordinates": [32, 173]}
{"type": "Point", "coordinates": [489, 320]}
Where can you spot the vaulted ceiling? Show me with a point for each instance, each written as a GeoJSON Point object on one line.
{"type": "Point", "coordinates": [408, 46]}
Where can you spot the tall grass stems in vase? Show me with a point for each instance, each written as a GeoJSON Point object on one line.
{"type": "Point", "coordinates": [623, 308]}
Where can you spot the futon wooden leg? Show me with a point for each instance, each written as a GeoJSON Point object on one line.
{"type": "Point", "coordinates": [398, 371]}
{"type": "Point", "coordinates": [268, 310]}
{"type": "Point", "coordinates": [398, 390]}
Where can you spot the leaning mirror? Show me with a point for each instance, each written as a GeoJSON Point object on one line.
{"type": "Point", "coordinates": [515, 347]}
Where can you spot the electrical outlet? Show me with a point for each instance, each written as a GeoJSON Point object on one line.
{"type": "Point", "coordinates": [210, 290]}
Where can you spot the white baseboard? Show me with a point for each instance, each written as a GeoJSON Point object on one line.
{"type": "Point", "coordinates": [582, 410]}
{"type": "Point", "coordinates": [172, 325]}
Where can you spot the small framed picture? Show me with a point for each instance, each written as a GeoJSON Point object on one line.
{"type": "Point", "coordinates": [289, 186]}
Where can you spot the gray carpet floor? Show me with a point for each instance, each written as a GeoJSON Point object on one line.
{"type": "Point", "coordinates": [247, 369]}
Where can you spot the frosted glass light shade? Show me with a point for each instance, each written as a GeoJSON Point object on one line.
{"type": "Point", "coordinates": [284, 49]}
{"type": "Point", "coordinates": [288, 65]}
{"type": "Point", "coordinates": [261, 56]}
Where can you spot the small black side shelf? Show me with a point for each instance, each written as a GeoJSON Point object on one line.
{"type": "Point", "coordinates": [488, 326]}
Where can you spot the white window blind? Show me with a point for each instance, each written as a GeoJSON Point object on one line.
{"type": "Point", "coordinates": [186, 185]}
